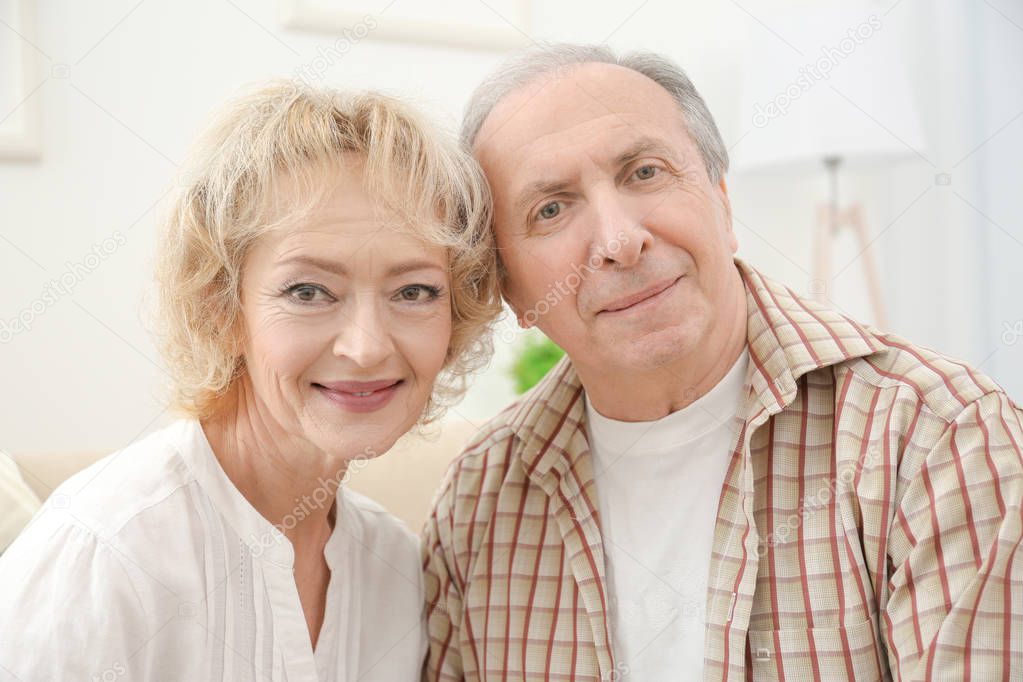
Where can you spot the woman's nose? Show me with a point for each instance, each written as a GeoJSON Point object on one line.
{"type": "Point", "coordinates": [364, 336]}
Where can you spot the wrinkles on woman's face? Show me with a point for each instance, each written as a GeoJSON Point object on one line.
{"type": "Point", "coordinates": [346, 295]}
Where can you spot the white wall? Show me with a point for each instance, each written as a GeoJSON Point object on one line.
{"type": "Point", "coordinates": [997, 166]}
{"type": "Point", "coordinates": [141, 78]}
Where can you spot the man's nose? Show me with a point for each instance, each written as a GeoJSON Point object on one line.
{"type": "Point", "coordinates": [620, 236]}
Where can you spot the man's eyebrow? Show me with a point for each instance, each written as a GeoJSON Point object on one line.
{"type": "Point", "coordinates": [339, 269]}
{"type": "Point", "coordinates": [642, 147]}
{"type": "Point", "coordinates": [538, 188]}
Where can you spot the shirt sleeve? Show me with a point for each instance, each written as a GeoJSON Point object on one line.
{"type": "Point", "coordinates": [956, 571]}
{"type": "Point", "coordinates": [442, 591]}
{"type": "Point", "coordinates": [68, 607]}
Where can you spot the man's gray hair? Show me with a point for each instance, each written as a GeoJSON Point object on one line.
{"type": "Point", "coordinates": [548, 59]}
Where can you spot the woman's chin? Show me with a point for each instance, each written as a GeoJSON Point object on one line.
{"type": "Point", "coordinates": [356, 439]}
{"type": "Point", "coordinates": [346, 435]}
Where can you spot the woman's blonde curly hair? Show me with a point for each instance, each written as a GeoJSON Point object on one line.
{"type": "Point", "coordinates": [288, 132]}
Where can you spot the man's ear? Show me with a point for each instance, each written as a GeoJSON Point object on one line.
{"type": "Point", "coordinates": [726, 204]}
{"type": "Point", "coordinates": [515, 308]}
{"type": "Point", "coordinates": [509, 296]}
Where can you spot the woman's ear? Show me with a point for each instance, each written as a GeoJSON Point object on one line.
{"type": "Point", "coordinates": [231, 324]}
{"type": "Point", "coordinates": [236, 334]}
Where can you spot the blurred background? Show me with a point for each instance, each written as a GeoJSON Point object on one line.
{"type": "Point", "coordinates": [875, 162]}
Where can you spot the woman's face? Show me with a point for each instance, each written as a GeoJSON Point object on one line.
{"type": "Point", "coordinates": [348, 321]}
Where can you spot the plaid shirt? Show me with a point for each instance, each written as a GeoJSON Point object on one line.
{"type": "Point", "coordinates": [868, 528]}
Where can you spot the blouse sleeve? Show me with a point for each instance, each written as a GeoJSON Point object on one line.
{"type": "Point", "coordinates": [69, 606]}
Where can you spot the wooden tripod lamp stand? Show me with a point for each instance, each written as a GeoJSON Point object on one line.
{"type": "Point", "coordinates": [831, 220]}
{"type": "Point", "coordinates": [858, 116]}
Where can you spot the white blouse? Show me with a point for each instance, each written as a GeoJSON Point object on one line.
{"type": "Point", "coordinates": [150, 565]}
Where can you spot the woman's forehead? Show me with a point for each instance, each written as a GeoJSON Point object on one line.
{"type": "Point", "coordinates": [350, 246]}
{"type": "Point", "coordinates": [330, 197]}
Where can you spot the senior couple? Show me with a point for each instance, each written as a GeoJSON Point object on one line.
{"type": "Point", "coordinates": [722, 480]}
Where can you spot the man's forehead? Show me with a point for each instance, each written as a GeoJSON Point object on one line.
{"type": "Point", "coordinates": [581, 99]}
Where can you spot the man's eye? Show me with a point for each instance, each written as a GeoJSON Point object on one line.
{"type": "Point", "coordinates": [549, 211]}
{"type": "Point", "coordinates": [645, 172]}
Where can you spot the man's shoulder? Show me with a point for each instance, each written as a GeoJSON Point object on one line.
{"type": "Point", "coordinates": [815, 337]}
{"type": "Point", "coordinates": [494, 445]}
{"type": "Point", "coordinates": [943, 384]}
{"type": "Point", "coordinates": [539, 413]}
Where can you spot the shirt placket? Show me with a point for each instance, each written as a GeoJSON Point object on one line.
{"type": "Point", "coordinates": [734, 569]}
{"type": "Point", "coordinates": [580, 533]}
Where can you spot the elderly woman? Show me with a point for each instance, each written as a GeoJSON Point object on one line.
{"type": "Point", "coordinates": [326, 261]}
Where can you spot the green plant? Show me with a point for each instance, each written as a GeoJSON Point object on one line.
{"type": "Point", "coordinates": [535, 358]}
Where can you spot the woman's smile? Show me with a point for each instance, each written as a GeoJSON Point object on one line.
{"type": "Point", "coordinates": [360, 396]}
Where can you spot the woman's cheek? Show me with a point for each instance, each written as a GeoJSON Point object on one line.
{"type": "Point", "coordinates": [290, 345]}
{"type": "Point", "coordinates": [425, 339]}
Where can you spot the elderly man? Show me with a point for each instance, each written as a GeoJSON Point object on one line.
{"type": "Point", "coordinates": [723, 480]}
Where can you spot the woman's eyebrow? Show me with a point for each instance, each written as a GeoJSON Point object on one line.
{"type": "Point", "coordinates": [339, 268]}
{"type": "Point", "coordinates": [413, 265]}
{"type": "Point", "coordinates": [318, 263]}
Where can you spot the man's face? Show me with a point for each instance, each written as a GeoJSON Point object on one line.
{"type": "Point", "coordinates": [615, 242]}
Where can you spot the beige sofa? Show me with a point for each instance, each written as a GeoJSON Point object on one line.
{"type": "Point", "coordinates": [17, 501]}
{"type": "Point", "coordinates": [403, 479]}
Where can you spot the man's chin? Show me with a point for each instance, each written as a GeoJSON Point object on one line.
{"type": "Point", "coordinates": [650, 350]}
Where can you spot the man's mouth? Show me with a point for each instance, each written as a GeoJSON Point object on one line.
{"type": "Point", "coordinates": [640, 297]}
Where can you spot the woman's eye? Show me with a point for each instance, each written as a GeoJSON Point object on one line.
{"type": "Point", "coordinates": [550, 210]}
{"type": "Point", "coordinates": [418, 293]}
{"type": "Point", "coordinates": [308, 293]}
{"type": "Point", "coordinates": [645, 172]}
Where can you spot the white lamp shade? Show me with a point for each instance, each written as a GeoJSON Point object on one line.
{"type": "Point", "coordinates": [847, 95]}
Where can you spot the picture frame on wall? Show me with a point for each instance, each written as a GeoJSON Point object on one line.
{"type": "Point", "coordinates": [19, 81]}
{"type": "Point", "coordinates": [491, 25]}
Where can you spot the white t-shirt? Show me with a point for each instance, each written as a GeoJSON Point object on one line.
{"type": "Point", "coordinates": [658, 484]}
{"type": "Point", "coordinates": [150, 565]}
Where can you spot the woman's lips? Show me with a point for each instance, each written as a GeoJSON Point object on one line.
{"type": "Point", "coordinates": [360, 396]}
